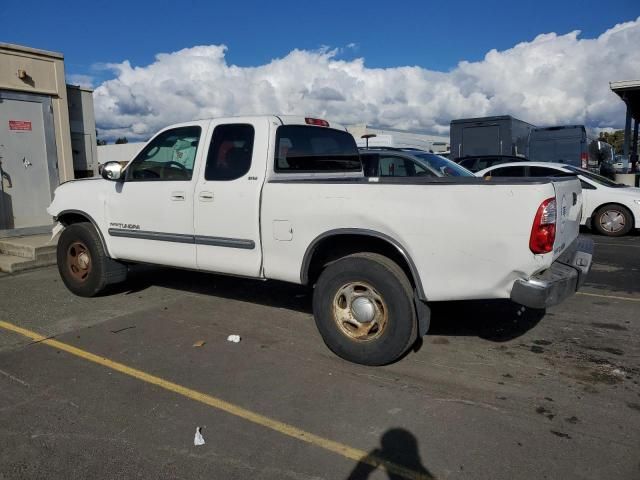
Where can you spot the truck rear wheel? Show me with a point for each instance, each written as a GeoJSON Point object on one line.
{"type": "Point", "coordinates": [83, 264]}
{"type": "Point", "coordinates": [363, 308]}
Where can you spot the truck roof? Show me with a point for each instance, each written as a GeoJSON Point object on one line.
{"type": "Point", "coordinates": [283, 119]}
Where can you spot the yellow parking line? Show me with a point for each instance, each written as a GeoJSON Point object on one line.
{"type": "Point", "coordinates": [629, 299]}
{"type": "Point", "coordinates": [275, 425]}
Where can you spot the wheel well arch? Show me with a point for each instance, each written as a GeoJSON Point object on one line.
{"type": "Point", "coordinates": [633, 219]}
{"type": "Point", "coordinates": [339, 243]}
{"type": "Point", "coordinates": [69, 217]}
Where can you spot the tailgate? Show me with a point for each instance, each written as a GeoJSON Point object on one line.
{"type": "Point", "coordinates": [569, 211]}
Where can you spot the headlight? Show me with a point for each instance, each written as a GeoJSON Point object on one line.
{"type": "Point", "coordinates": [637, 201]}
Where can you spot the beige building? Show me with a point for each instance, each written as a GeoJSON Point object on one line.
{"type": "Point", "coordinates": [35, 140]}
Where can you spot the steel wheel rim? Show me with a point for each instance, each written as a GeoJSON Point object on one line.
{"type": "Point", "coordinates": [612, 221]}
{"type": "Point", "coordinates": [359, 311]}
{"type": "Point", "coordinates": [79, 261]}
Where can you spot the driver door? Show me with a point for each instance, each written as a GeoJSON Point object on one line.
{"type": "Point", "coordinates": [150, 214]}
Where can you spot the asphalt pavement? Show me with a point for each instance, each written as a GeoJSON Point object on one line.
{"type": "Point", "coordinates": [115, 386]}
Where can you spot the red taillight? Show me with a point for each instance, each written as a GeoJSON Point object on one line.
{"type": "Point", "coordinates": [584, 159]}
{"type": "Point", "coordinates": [317, 122]}
{"type": "Point", "coordinates": [543, 232]}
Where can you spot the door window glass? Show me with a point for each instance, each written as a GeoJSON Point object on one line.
{"type": "Point", "coordinates": [507, 172]}
{"type": "Point", "coordinates": [586, 186]}
{"type": "Point", "coordinates": [169, 156]}
{"type": "Point", "coordinates": [230, 152]}
{"type": "Point", "coordinates": [391, 166]}
{"type": "Point", "coordinates": [544, 172]}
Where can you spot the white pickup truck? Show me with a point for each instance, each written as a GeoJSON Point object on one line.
{"type": "Point", "coordinates": [275, 197]}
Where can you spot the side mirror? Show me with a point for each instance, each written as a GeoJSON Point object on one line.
{"type": "Point", "coordinates": [112, 171]}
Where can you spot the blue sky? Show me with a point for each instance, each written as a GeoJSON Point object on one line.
{"type": "Point", "coordinates": [412, 65]}
{"type": "Point", "coordinates": [434, 35]}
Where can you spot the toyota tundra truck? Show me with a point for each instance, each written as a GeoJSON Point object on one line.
{"type": "Point", "coordinates": [285, 198]}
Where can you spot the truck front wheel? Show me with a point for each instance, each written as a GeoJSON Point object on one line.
{"type": "Point", "coordinates": [363, 308]}
{"type": "Point", "coordinates": [83, 264]}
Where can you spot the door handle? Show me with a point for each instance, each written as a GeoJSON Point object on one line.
{"type": "Point", "coordinates": [177, 196]}
{"type": "Point", "coordinates": [206, 196]}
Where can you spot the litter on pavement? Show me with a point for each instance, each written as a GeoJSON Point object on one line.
{"type": "Point", "coordinates": [198, 439]}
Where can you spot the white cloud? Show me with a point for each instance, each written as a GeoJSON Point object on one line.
{"type": "Point", "coordinates": [80, 80]}
{"type": "Point", "coordinates": [553, 79]}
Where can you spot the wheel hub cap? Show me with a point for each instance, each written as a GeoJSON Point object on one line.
{"type": "Point", "coordinates": [612, 221]}
{"type": "Point", "coordinates": [363, 310]}
{"type": "Point", "coordinates": [83, 261]}
{"type": "Point", "coordinates": [359, 311]}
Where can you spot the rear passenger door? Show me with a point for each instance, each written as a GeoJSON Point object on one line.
{"type": "Point", "coordinates": [227, 198]}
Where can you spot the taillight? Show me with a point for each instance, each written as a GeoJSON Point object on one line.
{"type": "Point", "coordinates": [316, 121]}
{"type": "Point", "coordinates": [543, 232]}
{"type": "Point", "coordinates": [584, 159]}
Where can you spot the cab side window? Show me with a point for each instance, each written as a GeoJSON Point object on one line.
{"type": "Point", "coordinates": [230, 152]}
{"type": "Point", "coordinates": [168, 157]}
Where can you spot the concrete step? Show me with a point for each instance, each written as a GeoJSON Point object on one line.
{"type": "Point", "coordinates": [25, 253]}
{"type": "Point", "coordinates": [13, 263]}
{"type": "Point", "coordinates": [31, 247]}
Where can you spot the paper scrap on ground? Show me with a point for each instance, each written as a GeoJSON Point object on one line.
{"type": "Point", "coordinates": [234, 338]}
{"type": "Point", "coordinates": [199, 343]}
{"type": "Point", "coordinates": [198, 439]}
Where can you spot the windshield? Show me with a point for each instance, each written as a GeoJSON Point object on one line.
{"type": "Point", "coordinates": [443, 166]}
{"type": "Point", "coordinates": [594, 177]}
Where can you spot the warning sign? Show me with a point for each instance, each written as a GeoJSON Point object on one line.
{"type": "Point", "coordinates": [20, 125]}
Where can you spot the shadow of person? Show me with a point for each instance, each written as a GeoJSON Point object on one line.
{"type": "Point", "coordinates": [398, 457]}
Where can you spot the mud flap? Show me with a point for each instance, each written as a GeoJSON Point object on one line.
{"type": "Point", "coordinates": [423, 313]}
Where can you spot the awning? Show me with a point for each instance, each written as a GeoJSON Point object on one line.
{"type": "Point", "coordinates": [629, 92]}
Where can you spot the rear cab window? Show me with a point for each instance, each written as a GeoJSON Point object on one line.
{"type": "Point", "coordinates": [310, 149]}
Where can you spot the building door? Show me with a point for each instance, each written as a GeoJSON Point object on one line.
{"type": "Point", "coordinates": [28, 163]}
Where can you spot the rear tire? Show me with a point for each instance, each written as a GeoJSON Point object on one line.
{"type": "Point", "coordinates": [363, 308]}
{"type": "Point", "coordinates": [612, 220]}
{"type": "Point", "coordinates": [83, 264]}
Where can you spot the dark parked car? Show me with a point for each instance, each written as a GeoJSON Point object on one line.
{"type": "Point", "coordinates": [481, 162]}
{"type": "Point", "coordinates": [399, 162]}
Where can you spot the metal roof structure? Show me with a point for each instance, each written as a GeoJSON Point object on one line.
{"type": "Point", "coordinates": [629, 93]}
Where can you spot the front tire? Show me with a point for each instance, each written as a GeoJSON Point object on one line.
{"type": "Point", "coordinates": [363, 308]}
{"type": "Point", "coordinates": [612, 220]}
{"type": "Point", "coordinates": [83, 264]}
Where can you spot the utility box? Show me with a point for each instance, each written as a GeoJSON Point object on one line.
{"type": "Point", "coordinates": [83, 131]}
{"type": "Point", "coordinates": [35, 144]}
{"type": "Point", "coordinates": [500, 135]}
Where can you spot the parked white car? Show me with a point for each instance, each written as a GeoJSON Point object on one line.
{"type": "Point", "coordinates": [285, 198]}
{"type": "Point", "coordinates": [610, 208]}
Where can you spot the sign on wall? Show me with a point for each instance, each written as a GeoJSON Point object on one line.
{"type": "Point", "coordinates": [20, 125]}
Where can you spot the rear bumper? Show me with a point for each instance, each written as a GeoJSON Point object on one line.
{"type": "Point", "coordinates": [559, 281]}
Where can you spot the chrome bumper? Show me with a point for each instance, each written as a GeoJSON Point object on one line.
{"type": "Point", "coordinates": [559, 281]}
